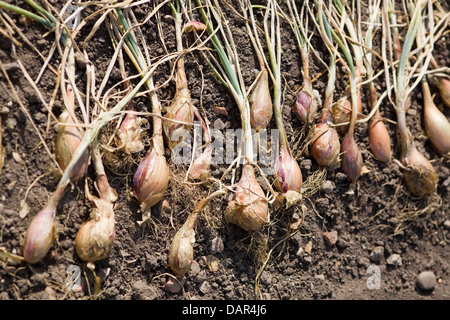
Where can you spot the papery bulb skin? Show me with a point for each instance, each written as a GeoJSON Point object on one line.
{"type": "Point", "coordinates": [130, 133]}
{"type": "Point", "coordinates": [305, 107]}
{"type": "Point", "coordinates": [351, 163]}
{"type": "Point", "coordinates": [181, 251]}
{"type": "Point", "coordinates": [180, 109]}
{"type": "Point", "coordinates": [151, 178]}
{"type": "Point", "coordinates": [420, 177]}
{"type": "Point", "coordinates": [68, 139]}
{"type": "Point", "coordinates": [261, 110]}
{"type": "Point", "coordinates": [325, 146]}
{"type": "Point", "coordinates": [379, 140]}
{"type": "Point", "coordinates": [40, 235]}
{"type": "Point", "coordinates": [95, 238]}
{"type": "Point", "coordinates": [249, 209]}
{"type": "Point", "coordinates": [199, 169]}
{"type": "Point", "coordinates": [436, 123]}
{"type": "Point", "coordinates": [194, 25]}
{"type": "Point", "coordinates": [341, 111]}
{"type": "Point", "coordinates": [288, 174]}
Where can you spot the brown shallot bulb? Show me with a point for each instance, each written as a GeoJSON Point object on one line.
{"type": "Point", "coordinates": [379, 139]}
{"type": "Point", "coordinates": [181, 250]}
{"type": "Point", "coordinates": [325, 146]}
{"type": "Point", "coordinates": [436, 123]}
{"type": "Point", "coordinates": [419, 174]}
{"type": "Point", "coordinates": [130, 133]}
{"type": "Point", "coordinates": [67, 141]}
{"type": "Point", "coordinates": [261, 103]}
{"type": "Point", "coordinates": [95, 238]}
{"type": "Point", "coordinates": [181, 110]}
{"type": "Point", "coordinates": [249, 209]}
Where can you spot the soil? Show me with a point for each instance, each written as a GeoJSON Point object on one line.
{"type": "Point", "coordinates": [276, 263]}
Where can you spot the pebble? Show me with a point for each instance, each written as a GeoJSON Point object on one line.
{"type": "Point", "coordinates": [377, 253]}
{"type": "Point", "coordinates": [266, 278]}
{"type": "Point", "coordinates": [173, 285]}
{"type": "Point", "coordinates": [205, 287]}
{"type": "Point", "coordinates": [447, 224]}
{"type": "Point", "coordinates": [426, 281]}
{"type": "Point", "coordinates": [394, 260]}
{"type": "Point", "coordinates": [217, 245]}
{"type": "Point", "coordinates": [328, 187]}
{"type": "Point", "coordinates": [331, 237]}
{"type": "Point", "coordinates": [219, 125]}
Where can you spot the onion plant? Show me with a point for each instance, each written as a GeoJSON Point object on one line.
{"type": "Point", "coordinates": [325, 146]}
{"type": "Point", "coordinates": [419, 175]}
{"type": "Point", "coordinates": [249, 209]}
{"type": "Point", "coordinates": [288, 176]}
{"type": "Point", "coordinates": [307, 101]}
{"type": "Point", "coordinates": [379, 138]}
{"type": "Point", "coordinates": [351, 162]}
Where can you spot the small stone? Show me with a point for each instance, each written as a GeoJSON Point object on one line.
{"type": "Point", "coordinates": [217, 245]}
{"type": "Point", "coordinates": [426, 281]}
{"type": "Point", "coordinates": [377, 253]}
{"type": "Point", "coordinates": [323, 203]}
{"type": "Point", "coordinates": [212, 262]}
{"type": "Point", "coordinates": [306, 164]}
{"type": "Point", "coordinates": [205, 287]}
{"type": "Point", "coordinates": [266, 278]}
{"type": "Point", "coordinates": [308, 247]}
{"type": "Point", "coordinates": [219, 125]}
{"type": "Point", "coordinates": [331, 237]}
{"type": "Point", "coordinates": [174, 286]}
{"type": "Point", "coordinates": [394, 260]}
{"type": "Point", "coordinates": [447, 224]}
{"type": "Point", "coordinates": [328, 187]}
{"type": "Point", "coordinates": [195, 268]}
{"type": "Point", "coordinates": [165, 206]}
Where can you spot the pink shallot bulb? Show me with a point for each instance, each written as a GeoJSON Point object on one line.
{"type": "Point", "coordinates": [288, 175]}
{"type": "Point", "coordinates": [351, 163]}
{"type": "Point", "coordinates": [152, 177]}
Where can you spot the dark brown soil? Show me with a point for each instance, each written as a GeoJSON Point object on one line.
{"type": "Point", "coordinates": [274, 263]}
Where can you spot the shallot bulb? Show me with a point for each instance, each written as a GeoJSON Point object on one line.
{"type": "Point", "coordinates": [95, 238]}
{"type": "Point", "coordinates": [436, 124]}
{"type": "Point", "coordinates": [443, 86]}
{"type": "Point", "coordinates": [419, 176]}
{"type": "Point", "coordinates": [325, 146]}
{"type": "Point", "coordinates": [351, 163]}
{"type": "Point", "coordinates": [67, 141]}
{"type": "Point", "coordinates": [305, 106]}
{"type": "Point", "coordinates": [130, 133]}
{"type": "Point", "coordinates": [249, 209]}
{"type": "Point", "coordinates": [288, 175]}
{"type": "Point", "coordinates": [152, 176]}
{"type": "Point", "coordinates": [199, 169]}
{"type": "Point", "coordinates": [261, 103]}
{"type": "Point", "coordinates": [341, 111]}
{"type": "Point", "coordinates": [181, 251]}
{"type": "Point", "coordinates": [40, 235]}
{"type": "Point", "coordinates": [181, 110]}
{"type": "Point", "coordinates": [379, 139]}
